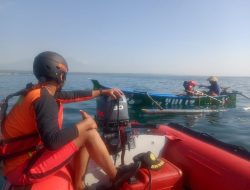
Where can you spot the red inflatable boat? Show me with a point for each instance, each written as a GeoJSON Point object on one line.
{"type": "Point", "coordinates": [206, 163]}
{"type": "Point", "coordinates": [193, 161]}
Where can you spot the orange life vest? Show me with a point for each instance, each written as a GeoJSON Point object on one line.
{"type": "Point", "coordinates": [20, 138]}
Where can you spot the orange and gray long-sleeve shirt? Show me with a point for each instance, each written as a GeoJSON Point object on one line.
{"type": "Point", "coordinates": [38, 111]}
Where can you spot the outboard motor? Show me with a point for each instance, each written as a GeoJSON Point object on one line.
{"type": "Point", "coordinates": [113, 121]}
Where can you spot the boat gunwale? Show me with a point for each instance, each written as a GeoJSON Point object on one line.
{"type": "Point", "coordinates": [234, 149]}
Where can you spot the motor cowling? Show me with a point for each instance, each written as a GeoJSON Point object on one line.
{"type": "Point", "coordinates": [113, 120]}
{"type": "Point", "coordinates": [110, 111]}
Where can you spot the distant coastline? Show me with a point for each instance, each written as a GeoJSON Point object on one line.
{"type": "Point", "coordinates": [14, 71]}
{"type": "Point", "coordinates": [119, 73]}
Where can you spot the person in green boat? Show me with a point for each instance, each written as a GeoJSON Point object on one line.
{"type": "Point", "coordinates": [189, 87]}
{"type": "Point", "coordinates": [214, 88]}
{"type": "Point", "coordinates": [39, 111]}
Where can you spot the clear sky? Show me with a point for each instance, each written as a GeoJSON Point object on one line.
{"type": "Point", "coordinates": [191, 37]}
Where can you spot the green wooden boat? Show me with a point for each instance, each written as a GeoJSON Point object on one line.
{"type": "Point", "coordinates": [140, 100]}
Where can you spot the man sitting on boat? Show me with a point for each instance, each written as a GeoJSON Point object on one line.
{"type": "Point", "coordinates": [214, 88]}
{"type": "Point", "coordinates": [38, 115]}
{"type": "Point", "coordinates": [189, 87]}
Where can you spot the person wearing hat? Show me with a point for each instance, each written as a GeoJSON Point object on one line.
{"type": "Point", "coordinates": [214, 88]}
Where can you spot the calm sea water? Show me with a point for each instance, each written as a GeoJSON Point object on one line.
{"type": "Point", "coordinates": [232, 126]}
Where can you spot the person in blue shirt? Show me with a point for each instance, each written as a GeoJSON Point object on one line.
{"type": "Point", "coordinates": [214, 88]}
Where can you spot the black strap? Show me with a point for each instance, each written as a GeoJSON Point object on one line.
{"type": "Point", "coordinates": [20, 92]}
{"type": "Point", "coordinates": [33, 160]}
{"type": "Point", "coordinates": [10, 140]}
{"type": "Point", "coordinates": [18, 153]}
{"type": "Point", "coordinates": [5, 142]}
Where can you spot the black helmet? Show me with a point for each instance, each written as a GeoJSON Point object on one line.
{"type": "Point", "coordinates": [50, 66]}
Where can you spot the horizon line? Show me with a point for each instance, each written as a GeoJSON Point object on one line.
{"type": "Point", "coordinates": [117, 73]}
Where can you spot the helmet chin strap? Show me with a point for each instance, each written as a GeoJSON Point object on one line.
{"type": "Point", "coordinates": [58, 83]}
{"type": "Point", "coordinates": [62, 81]}
{"type": "Point", "coordinates": [52, 88]}
{"type": "Point", "coordinates": [59, 87]}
